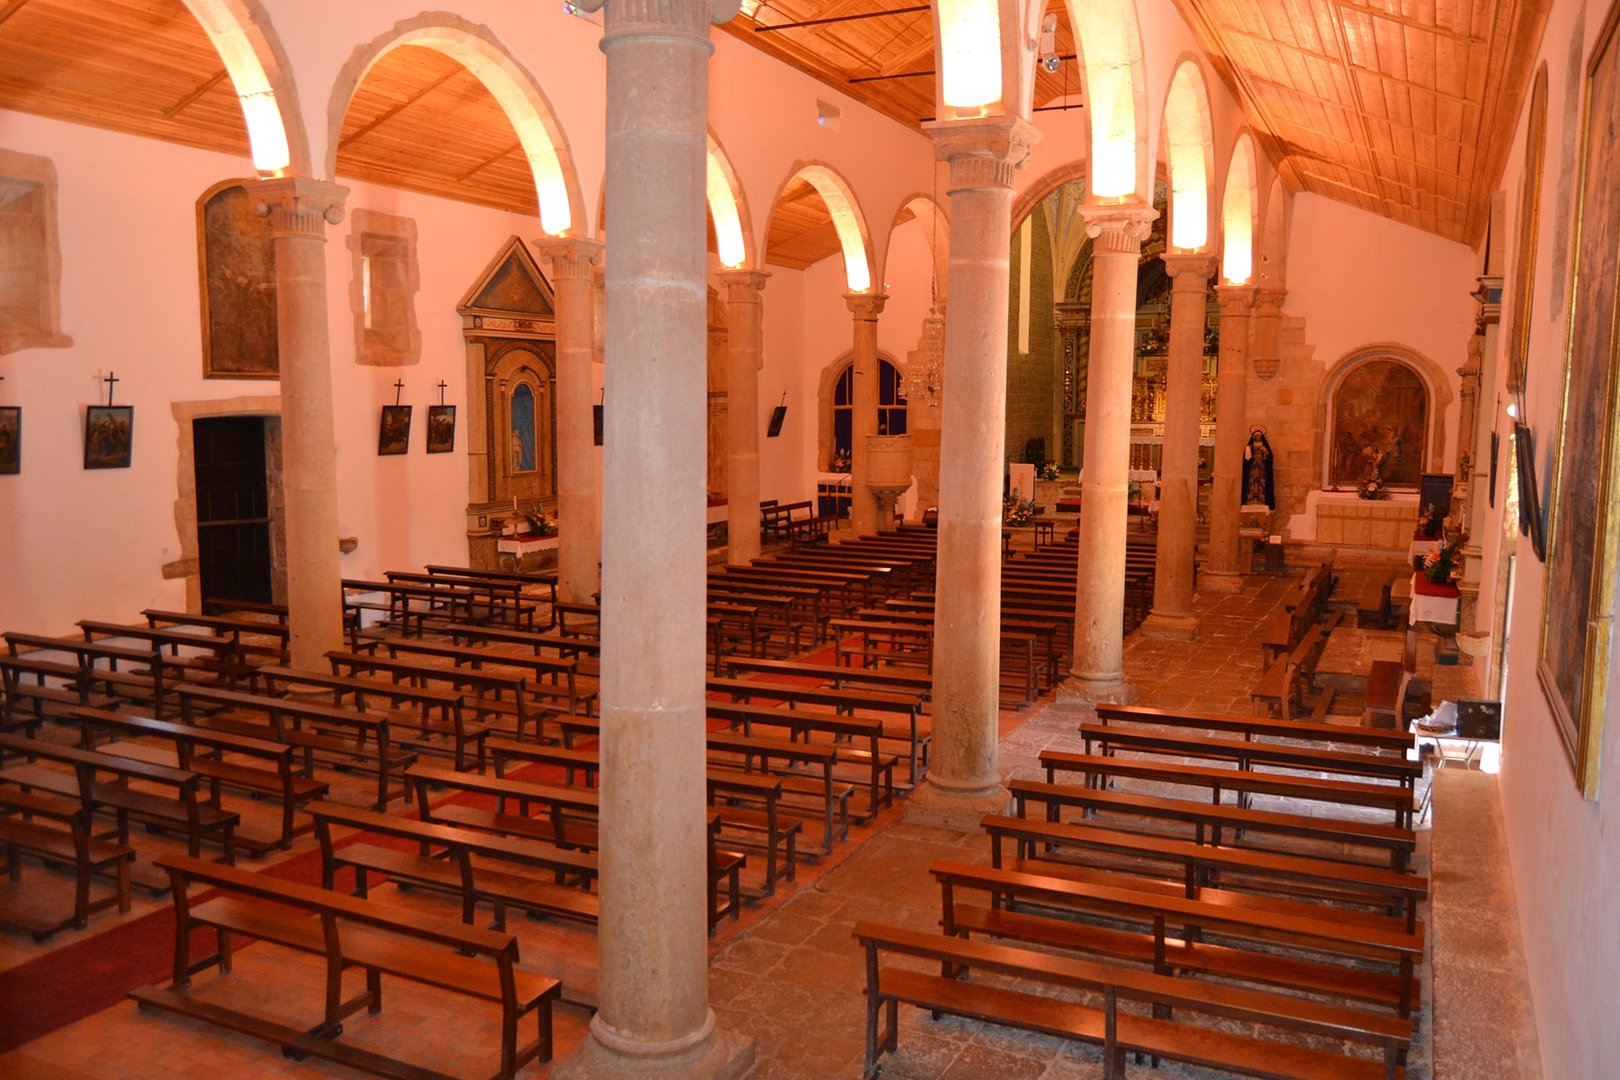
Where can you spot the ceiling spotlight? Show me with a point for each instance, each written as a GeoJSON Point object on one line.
{"type": "Point", "coordinates": [1051, 64]}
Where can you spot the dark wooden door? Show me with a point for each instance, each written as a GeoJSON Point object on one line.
{"type": "Point", "coordinates": [233, 508]}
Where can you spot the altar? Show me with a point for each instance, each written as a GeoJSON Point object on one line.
{"type": "Point", "coordinates": [1343, 517]}
{"type": "Point", "coordinates": [1433, 602]}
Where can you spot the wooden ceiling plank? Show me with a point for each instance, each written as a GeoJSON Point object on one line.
{"type": "Point", "coordinates": [207, 85]}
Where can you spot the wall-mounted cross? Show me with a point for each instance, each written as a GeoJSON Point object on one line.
{"type": "Point", "coordinates": [442, 385]}
{"type": "Point", "coordinates": [399, 389]}
{"type": "Point", "coordinates": [110, 380]}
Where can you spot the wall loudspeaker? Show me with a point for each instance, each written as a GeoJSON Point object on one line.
{"type": "Point", "coordinates": [778, 414]}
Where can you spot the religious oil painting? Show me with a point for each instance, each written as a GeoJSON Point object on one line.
{"type": "Point", "coordinates": [10, 440]}
{"type": "Point", "coordinates": [1380, 422]}
{"type": "Point", "coordinates": [107, 436]}
{"type": "Point", "coordinates": [1578, 615]}
{"type": "Point", "coordinates": [238, 287]}
{"type": "Point", "coordinates": [441, 433]}
{"type": "Point", "coordinates": [394, 435]}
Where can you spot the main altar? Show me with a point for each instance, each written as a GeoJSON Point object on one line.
{"type": "Point", "coordinates": [1344, 517]}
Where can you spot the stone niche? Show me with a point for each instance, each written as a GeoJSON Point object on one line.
{"type": "Point", "coordinates": [30, 258]}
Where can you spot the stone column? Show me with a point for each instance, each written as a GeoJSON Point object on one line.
{"type": "Point", "coordinates": [863, 406]}
{"type": "Point", "coordinates": [1098, 674]}
{"type": "Point", "coordinates": [654, 1018]}
{"type": "Point", "coordinates": [1172, 615]}
{"type": "Point", "coordinates": [1227, 563]}
{"type": "Point", "coordinates": [744, 322]}
{"type": "Point", "coordinates": [964, 780]}
{"type": "Point", "coordinates": [299, 210]}
{"type": "Point", "coordinates": [579, 539]}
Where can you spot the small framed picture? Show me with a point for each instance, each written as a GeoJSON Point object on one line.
{"type": "Point", "coordinates": [394, 434]}
{"type": "Point", "coordinates": [108, 436]}
{"type": "Point", "coordinates": [10, 440]}
{"type": "Point", "coordinates": [441, 437]}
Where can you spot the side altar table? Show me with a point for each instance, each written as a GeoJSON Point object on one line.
{"type": "Point", "coordinates": [1433, 602]}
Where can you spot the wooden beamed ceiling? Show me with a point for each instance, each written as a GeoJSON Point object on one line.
{"type": "Point", "coordinates": [1403, 108]}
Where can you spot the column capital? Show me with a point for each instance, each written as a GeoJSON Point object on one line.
{"type": "Point", "coordinates": [1235, 300]}
{"type": "Point", "coordinates": [866, 307]}
{"type": "Point", "coordinates": [718, 11]}
{"type": "Point", "coordinates": [1268, 300]}
{"type": "Point", "coordinates": [297, 205]}
{"type": "Point", "coordinates": [571, 257]}
{"type": "Point", "coordinates": [743, 286]}
{"type": "Point", "coordinates": [1197, 266]}
{"type": "Point", "coordinates": [1118, 229]}
{"type": "Point", "coordinates": [983, 150]}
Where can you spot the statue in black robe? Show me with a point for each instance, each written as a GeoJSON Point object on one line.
{"type": "Point", "coordinates": [1257, 485]}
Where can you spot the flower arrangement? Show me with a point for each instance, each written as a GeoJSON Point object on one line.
{"type": "Point", "coordinates": [1443, 564]}
{"type": "Point", "coordinates": [539, 524]}
{"type": "Point", "coordinates": [1372, 483]}
{"type": "Point", "coordinates": [841, 461]}
{"type": "Point", "coordinates": [1048, 471]}
{"type": "Point", "coordinates": [1016, 511]}
{"type": "Point", "coordinates": [1430, 524]}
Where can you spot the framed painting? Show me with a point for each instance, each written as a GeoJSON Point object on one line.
{"type": "Point", "coordinates": [10, 440]}
{"type": "Point", "coordinates": [237, 263]}
{"type": "Point", "coordinates": [108, 431]}
{"type": "Point", "coordinates": [441, 434]}
{"type": "Point", "coordinates": [1532, 522]}
{"type": "Point", "coordinates": [1380, 417]}
{"type": "Point", "coordinates": [1578, 601]}
{"type": "Point", "coordinates": [394, 434]}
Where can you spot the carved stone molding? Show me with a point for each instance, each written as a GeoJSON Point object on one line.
{"type": "Point", "coordinates": [865, 307]}
{"type": "Point", "coordinates": [1236, 301]}
{"type": "Point", "coordinates": [983, 151]}
{"type": "Point", "coordinates": [1197, 267]}
{"type": "Point", "coordinates": [744, 286]}
{"type": "Point", "coordinates": [297, 205]}
{"type": "Point", "coordinates": [1118, 230]}
{"type": "Point", "coordinates": [571, 258]}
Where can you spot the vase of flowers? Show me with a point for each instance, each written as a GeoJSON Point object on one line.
{"type": "Point", "coordinates": [1016, 511]}
{"type": "Point", "coordinates": [1444, 563]}
{"type": "Point", "coordinates": [1430, 524]}
{"type": "Point", "coordinates": [1372, 482]}
{"type": "Point", "coordinates": [1048, 471]}
{"type": "Point", "coordinates": [539, 524]}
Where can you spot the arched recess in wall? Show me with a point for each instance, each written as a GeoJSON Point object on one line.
{"type": "Point", "coordinates": [729, 218]}
{"type": "Point", "coordinates": [540, 136]}
{"type": "Point", "coordinates": [259, 72]}
{"type": "Point", "coordinates": [1109, 41]}
{"type": "Point", "coordinates": [833, 409]}
{"type": "Point", "coordinates": [1383, 405]}
{"type": "Point", "coordinates": [1273, 246]}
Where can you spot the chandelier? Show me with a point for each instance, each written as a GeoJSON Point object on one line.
{"type": "Point", "coordinates": [925, 365]}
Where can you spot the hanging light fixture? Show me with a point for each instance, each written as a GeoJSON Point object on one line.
{"type": "Point", "coordinates": [925, 365]}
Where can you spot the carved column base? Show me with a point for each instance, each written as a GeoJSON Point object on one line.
{"type": "Point", "coordinates": [957, 809]}
{"type": "Point", "coordinates": [1225, 582]}
{"type": "Point", "coordinates": [723, 1055]}
{"type": "Point", "coordinates": [1170, 627]}
{"type": "Point", "coordinates": [1104, 690]}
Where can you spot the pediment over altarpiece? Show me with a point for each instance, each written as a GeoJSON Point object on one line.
{"type": "Point", "coordinates": [512, 288]}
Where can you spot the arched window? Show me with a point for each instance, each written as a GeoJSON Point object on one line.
{"type": "Point", "coordinates": [1380, 416]}
{"type": "Point", "coordinates": [891, 413]}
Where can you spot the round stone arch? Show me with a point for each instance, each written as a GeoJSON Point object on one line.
{"type": "Point", "coordinates": [825, 394]}
{"type": "Point", "coordinates": [1430, 374]}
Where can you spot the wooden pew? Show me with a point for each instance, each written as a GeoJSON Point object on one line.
{"type": "Point", "coordinates": [36, 690]}
{"type": "Point", "coordinates": [135, 672]}
{"type": "Point", "coordinates": [1214, 823]}
{"type": "Point", "coordinates": [1304, 948]}
{"type": "Point", "coordinates": [57, 830]}
{"type": "Point", "coordinates": [1098, 769]}
{"type": "Point", "coordinates": [543, 580]}
{"type": "Point", "coordinates": [102, 784]}
{"type": "Point", "coordinates": [212, 657]}
{"type": "Point", "coordinates": [432, 713]}
{"type": "Point", "coordinates": [278, 633]}
{"type": "Point", "coordinates": [494, 697]}
{"type": "Point", "coordinates": [801, 723]}
{"type": "Point", "coordinates": [1256, 727]}
{"type": "Point", "coordinates": [478, 867]}
{"type": "Point", "coordinates": [1249, 755]}
{"type": "Point", "coordinates": [1201, 866]}
{"type": "Point", "coordinates": [347, 932]}
{"type": "Point", "coordinates": [199, 750]}
{"type": "Point", "coordinates": [344, 738]}
{"type": "Point", "coordinates": [1117, 1031]}
{"type": "Point", "coordinates": [552, 678]}
{"type": "Point", "coordinates": [479, 599]}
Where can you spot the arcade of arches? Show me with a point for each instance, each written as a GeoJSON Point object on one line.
{"type": "Point", "coordinates": [528, 361]}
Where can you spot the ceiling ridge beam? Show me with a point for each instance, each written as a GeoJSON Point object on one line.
{"type": "Point", "coordinates": [394, 111]}
{"type": "Point", "coordinates": [207, 85]}
{"type": "Point", "coordinates": [859, 16]}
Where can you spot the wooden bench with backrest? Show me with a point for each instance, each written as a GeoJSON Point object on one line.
{"type": "Point", "coordinates": [542, 581]}
{"type": "Point", "coordinates": [134, 672]}
{"type": "Point", "coordinates": [775, 519]}
{"type": "Point", "coordinates": [245, 630]}
{"type": "Point", "coordinates": [498, 700]}
{"type": "Point", "coordinates": [421, 718]}
{"type": "Point", "coordinates": [1099, 770]}
{"type": "Point", "coordinates": [1203, 866]}
{"type": "Point", "coordinates": [168, 798]}
{"type": "Point", "coordinates": [348, 932]}
{"type": "Point", "coordinates": [36, 690]}
{"type": "Point", "coordinates": [875, 765]}
{"type": "Point", "coordinates": [259, 767]}
{"type": "Point", "coordinates": [477, 867]}
{"type": "Point", "coordinates": [578, 619]}
{"type": "Point", "coordinates": [57, 830]}
{"type": "Point", "coordinates": [1215, 822]}
{"type": "Point", "coordinates": [1249, 755]}
{"type": "Point", "coordinates": [751, 804]}
{"type": "Point", "coordinates": [1116, 1030]}
{"type": "Point", "coordinates": [1257, 727]}
{"type": "Point", "coordinates": [584, 651]}
{"type": "Point", "coordinates": [345, 739]}
{"type": "Point", "coordinates": [551, 678]}
{"type": "Point", "coordinates": [477, 599]}
{"type": "Point", "coordinates": [1305, 948]}
{"type": "Point", "coordinates": [216, 656]}
{"type": "Point", "coordinates": [1388, 685]}
{"type": "Point", "coordinates": [1284, 685]}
